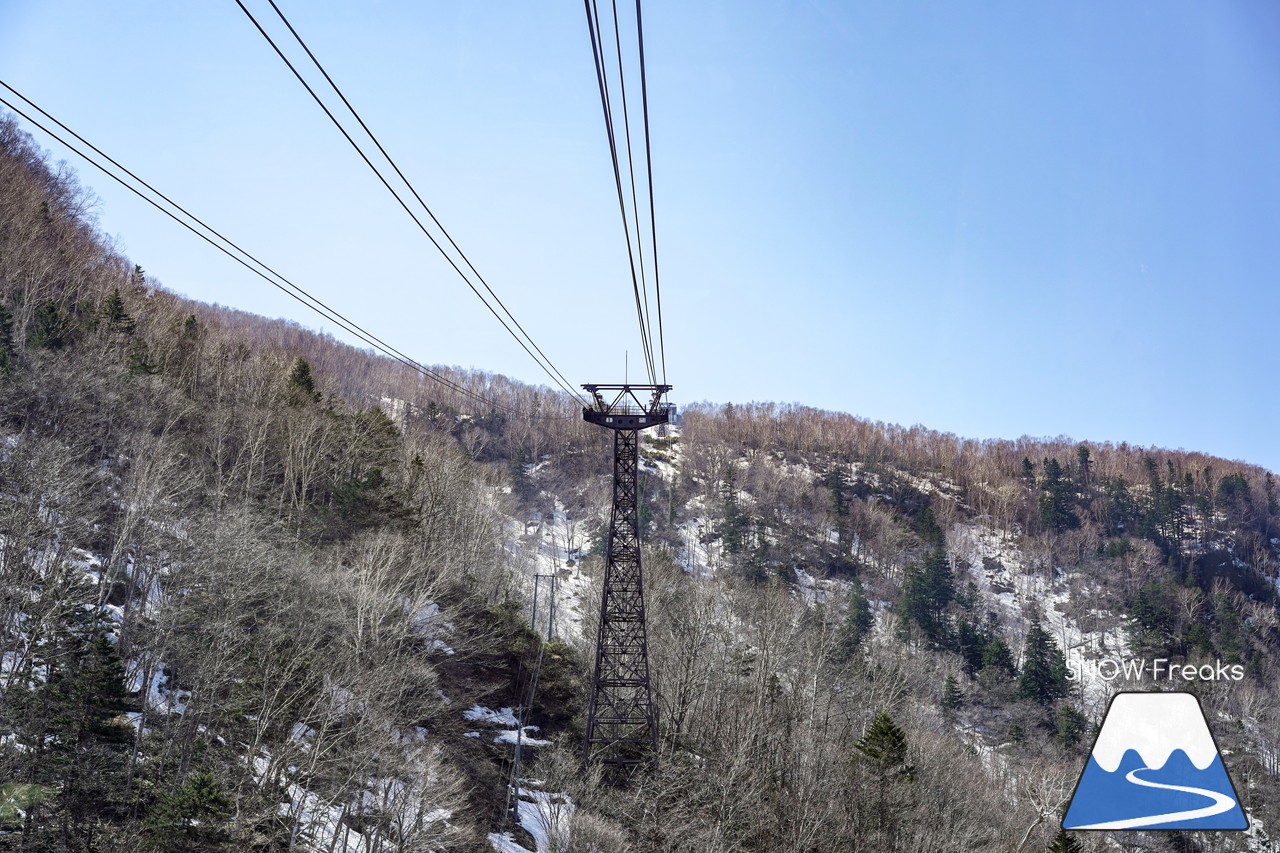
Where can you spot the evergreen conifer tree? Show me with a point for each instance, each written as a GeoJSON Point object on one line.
{"type": "Point", "coordinates": [1120, 509]}
{"type": "Point", "coordinates": [8, 355]}
{"type": "Point", "coordinates": [1151, 523]}
{"type": "Point", "coordinates": [836, 482]}
{"type": "Point", "coordinates": [1071, 726]}
{"type": "Point", "coordinates": [1063, 843]}
{"type": "Point", "coordinates": [1231, 643]}
{"type": "Point", "coordinates": [116, 317]}
{"type": "Point", "coordinates": [856, 624]}
{"type": "Point", "coordinates": [138, 358]}
{"type": "Point", "coordinates": [49, 328]}
{"type": "Point", "coordinates": [884, 747]}
{"type": "Point", "coordinates": [74, 731]}
{"type": "Point", "coordinates": [930, 533]}
{"type": "Point", "coordinates": [927, 590]}
{"type": "Point", "coordinates": [1044, 669]}
{"type": "Point", "coordinates": [191, 818]}
{"type": "Point", "coordinates": [997, 657]}
{"type": "Point", "coordinates": [951, 695]}
{"type": "Point", "coordinates": [1055, 504]}
{"type": "Point", "coordinates": [301, 383]}
{"type": "Point", "coordinates": [970, 642]}
{"type": "Point", "coordinates": [733, 534]}
{"type": "Point", "coordinates": [1084, 465]}
{"type": "Point", "coordinates": [1152, 618]}
{"type": "Point", "coordinates": [883, 751]}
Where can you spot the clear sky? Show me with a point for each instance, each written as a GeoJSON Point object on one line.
{"type": "Point", "coordinates": [995, 219]}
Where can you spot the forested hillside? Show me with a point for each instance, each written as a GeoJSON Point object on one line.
{"type": "Point", "coordinates": [266, 592]}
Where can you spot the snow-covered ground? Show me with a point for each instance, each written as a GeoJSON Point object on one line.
{"type": "Point", "coordinates": [551, 545]}
{"type": "Point", "coordinates": [323, 825]}
{"type": "Point", "coordinates": [698, 554]}
{"type": "Point", "coordinates": [545, 816]}
{"type": "Point", "coordinates": [821, 590]}
{"type": "Point", "coordinates": [1008, 584]}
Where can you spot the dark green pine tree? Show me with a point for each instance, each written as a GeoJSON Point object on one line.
{"type": "Point", "coordinates": [884, 748]}
{"type": "Point", "coordinates": [930, 533]}
{"type": "Point", "coordinates": [856, 624]}
{"type": "Point", "coordinates": [1121, 510]}
{"type": "Point", "coordinates": [914, 604]}
{"type": "Point", "coordinates": [733, 533]}
{"type": "Point", "coordinates": [1152, 521]}
{"type": "Point", "coordinates": [1044, 669]}
{"type": "Point", "coordinates": [1028, 470]}
{"type": "Point", "coordinates": [970, 642]}
{"type": "Point", "coordinates": [1063, 843]}
{"type": "Point", "coordinates": [997, 658]}
{"type": "Point", "coordinates": [368, 497]}
{"type": "Point", "coordinates": [836, 482]}
{"type": "Point", "coordinates": [522, 485]}
{"type": "Point", "coordinates": [952, 698]}
{"type": "Point", "coordinates": [191, 818]}
{"type": "Point", "coordinates": [8, 354]}
{"type": "Point", "coordinates": [50, 328]}
{"type": "Point", "coordinates": [1231, 642]}
{"type": "Point", "coordinates": [1235, 499]}
{"type": "Point", "coordinates": [1084, 467]}
{"type": "Point", "coordinates": [1173, 508]}
{"type": "Point", "coordinates": [1055, 503]}
{"type": "Point", "coordinates": [1152, 617]}
{"type": "Point", "coordinates": [927, 591]}
{"type": "Point", "coordinates": [1071, 726]}
{"type": "Point", "coordinates": [115, 316]}
{"type": "Point", "coordinates": [301, 384]}
{"type": "Point", "coordinates": [84, 740]}
{"type": "Point", "coordinates": [882, 751]}
{"type": "Point", "coordinates": [138, 358]}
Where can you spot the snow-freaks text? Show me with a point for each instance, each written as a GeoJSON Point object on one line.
{"type": "Point", "coordinates": [1160, 669]}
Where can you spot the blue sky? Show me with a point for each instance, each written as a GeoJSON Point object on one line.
{"type": "Point", "coordinates": [993, 219]}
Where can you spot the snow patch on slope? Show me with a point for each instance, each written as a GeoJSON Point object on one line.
{"type": "Point", "coordinates": [1007, 579]}
{"type": "Point", "coordinates": [552, 544]}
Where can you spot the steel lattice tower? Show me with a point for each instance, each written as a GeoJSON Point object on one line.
{"type": "Point", "coordinates": [621, 732]}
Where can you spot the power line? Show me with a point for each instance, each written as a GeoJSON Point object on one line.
{"type": "Point", "coordinates": [411, 187]}
{"type": "Point", "coordinates": [631, 175]}
{"type": "Point", "coordinates": [648, 161]}
{"type": "Point", "coordinates": [602, 82]}
{"type": "Point", "coordinates": [541, 359]}
{"type": "Point", "coordinates": [630, 218]}
{"type": "Point", "coordinates": [283, 284]}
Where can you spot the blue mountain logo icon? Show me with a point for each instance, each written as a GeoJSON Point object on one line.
{"type": "Point", "coordinates": [1155, 766]}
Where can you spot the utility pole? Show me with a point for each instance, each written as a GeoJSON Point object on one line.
{"type": "Point", "coordinates": [621, 733]}
{"type": "Point", "coordinates": [551, 618]}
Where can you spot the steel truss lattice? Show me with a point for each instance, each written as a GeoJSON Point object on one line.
{"type": "Point", "coordinates": [621, 733]}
